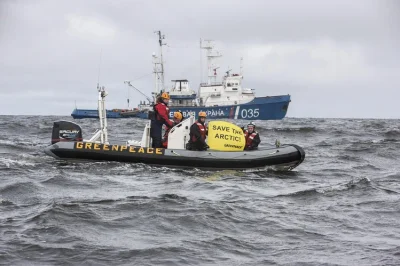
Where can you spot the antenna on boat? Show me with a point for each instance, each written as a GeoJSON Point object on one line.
{"type": "Point", "coordinates": [102, 132]}
{"type": "Point", "coordinates": [161, 37]}
{"type": "Point", "coordinates": [201, 65]}
{"type": "Point", "coordinates": [211, 56]}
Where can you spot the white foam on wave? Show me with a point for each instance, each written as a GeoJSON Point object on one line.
{"type": "Point", "coordinates": [8, 163]}
{"type": "Point", "coordinates": [7, 142]}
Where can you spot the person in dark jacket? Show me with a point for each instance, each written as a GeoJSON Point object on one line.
{"type": "Point", "coordinates": [252, 137]}
{"type": "Point", "coordinates": [161, 112]}
{"type": "Point", "coordinates": [198, 134]}
{"type": "Point", "coordinates": [177, 119]}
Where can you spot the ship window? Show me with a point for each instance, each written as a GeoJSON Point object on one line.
{"type": "Point", "coordinates": [228, 84]}
{"type": "Point", "coordinates": [180, 101]}
{"type": "Point", "coordinates": [234, 89]}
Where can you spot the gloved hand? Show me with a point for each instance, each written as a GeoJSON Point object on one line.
{"type": "Point", "coordinates": [206, 147]}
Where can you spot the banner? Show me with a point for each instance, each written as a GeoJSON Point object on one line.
{"type": "Point", "coordinates": [224, 136]}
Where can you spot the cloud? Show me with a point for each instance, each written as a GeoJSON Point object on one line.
{"type": "Point", "coordinates": [89, 28]}
{"type": "Point", "coordinates": [325, 54]}
{"type": "Point", "coordinates": [316, 62]}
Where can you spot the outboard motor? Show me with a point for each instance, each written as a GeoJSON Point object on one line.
{"type": "Point", "coordinates": [66, 131]}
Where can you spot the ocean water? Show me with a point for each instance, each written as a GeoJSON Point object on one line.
{"type": "Point", "coordinates": [339, 207]}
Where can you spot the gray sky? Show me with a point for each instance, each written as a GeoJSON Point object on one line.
{"type": "Point", "coordinates": [335, 58]}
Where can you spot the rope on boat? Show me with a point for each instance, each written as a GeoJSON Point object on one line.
{"type": "Point", "coordinates": [212, 155]}
{"type": "Point", "coordinates": [175, 153]}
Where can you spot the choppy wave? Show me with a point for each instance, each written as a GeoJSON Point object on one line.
{"type": "Point", "coordinates": [393, 133]}
{"type": "Point", "coordinates": [339, 207]}
{"type": "Point", "coordinates": [352, 184]}
{"type": "Point", "coordinates": [296, 130]}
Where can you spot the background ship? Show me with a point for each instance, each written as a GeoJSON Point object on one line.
{"type": "Point", "coordinates": [225, 99]}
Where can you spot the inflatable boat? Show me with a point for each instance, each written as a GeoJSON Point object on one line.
{"type": "Point", "coordinates": [226, 143]}
{"type": "Point", "coordinates": [284, 157]}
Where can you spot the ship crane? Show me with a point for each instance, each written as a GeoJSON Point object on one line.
{"type": "Point", "coordinates": [227, 72]}
{"type": "Point", "coordinates": [148, 98]}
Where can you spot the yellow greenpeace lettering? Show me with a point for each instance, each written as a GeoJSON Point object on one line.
{"type": "Point", "coordinates": [114, 148]}
{"type": "Point", "coordinates": [117, 148]}
{"type": "Point", "coordinates": [225, 136]}
{"type": "Point", "coordinates": [124, 148]}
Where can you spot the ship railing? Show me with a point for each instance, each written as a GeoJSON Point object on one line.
{"type": "Point", "coordinates": [182, 92]}
{"type": "Point", "coordinates": [211, 84]}
{"type": "Point", "coordinates": [182, 104]}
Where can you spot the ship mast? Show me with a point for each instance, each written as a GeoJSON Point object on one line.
{"type": "Point", "coordinates": [159, 65]}
{"type": "Point", "coordinates": [157, 77]}
{"type": "Point", "coordinates": [211, 56]}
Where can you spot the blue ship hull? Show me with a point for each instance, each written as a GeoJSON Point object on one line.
{"type": "Point", "coordinates": [261, 108]}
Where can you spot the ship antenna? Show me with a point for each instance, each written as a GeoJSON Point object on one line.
{"type": "Point", "coordinates": [160, 41]}
{"type": "Point", "coordinates": [211, 56]}
{"type": "Point", "coordinates": [98, 75]}
{"type": "Point", "coordinates": [201, 65]}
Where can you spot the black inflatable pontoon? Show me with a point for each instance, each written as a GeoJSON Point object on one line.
{"type": "Point", "coordinates": [285, 157]}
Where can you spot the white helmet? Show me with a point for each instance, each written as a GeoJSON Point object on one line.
{"type": "Point", "coordinates": [251, 124]}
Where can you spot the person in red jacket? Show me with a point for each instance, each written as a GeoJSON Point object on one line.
{"type": "Point", "coordinates": [177, 119]}
{"type": "Point", "coordinates": [161, 113]}
{"type": "Point", "coordinates": [252, 137]}
{"type": "Point", "coordinates": [198, 134]}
